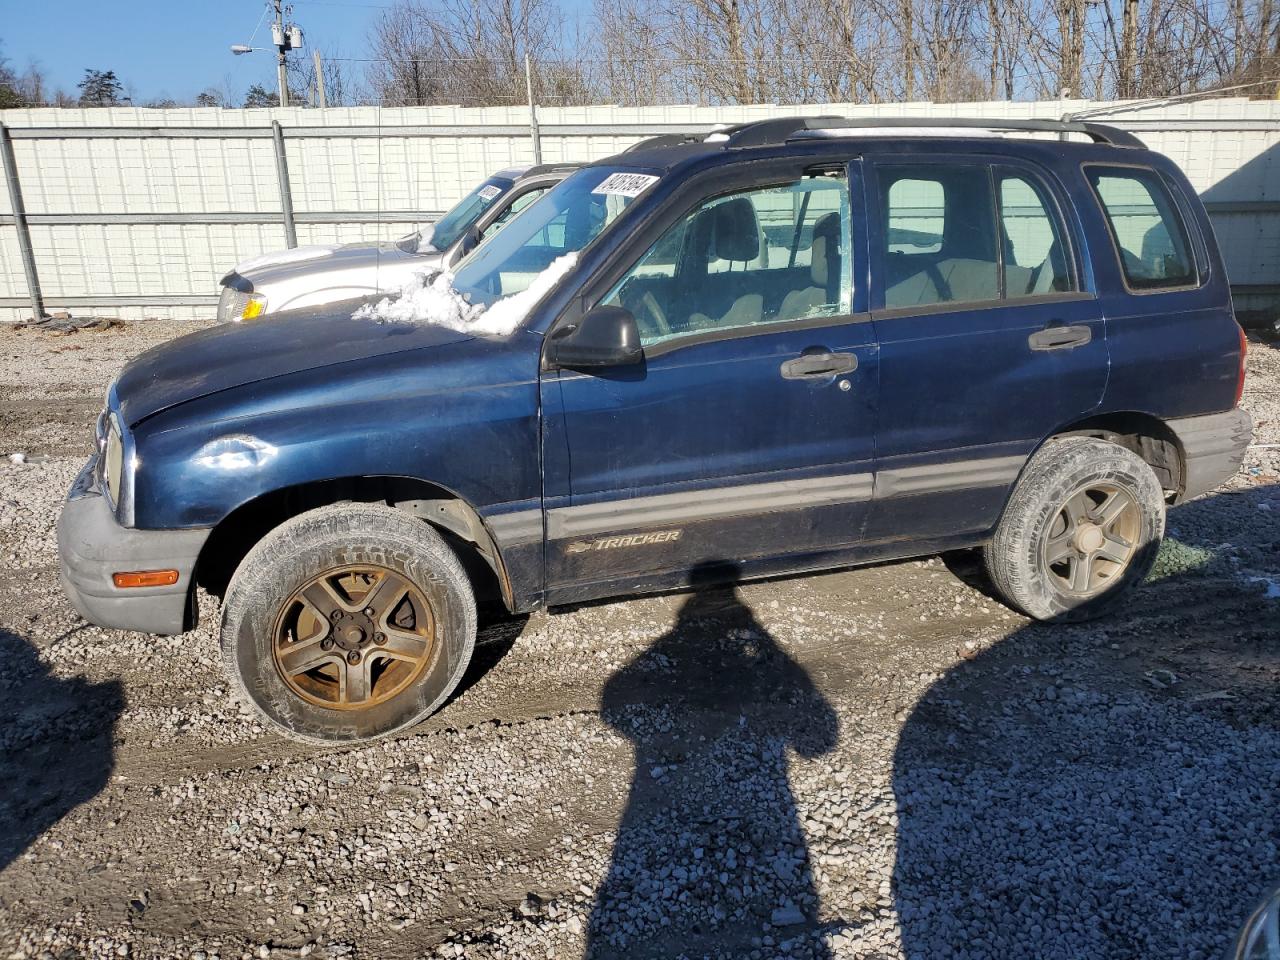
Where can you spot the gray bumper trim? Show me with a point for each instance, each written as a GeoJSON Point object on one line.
{"type": "Point", "coordinates": [1213, 448]}
{"type": "Point", "coordinates": [92, 546]}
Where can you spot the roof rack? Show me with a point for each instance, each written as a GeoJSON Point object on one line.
{"type": "Point", "coordinates": [666, 140]}
{"type": "Point", "coordinates": [1098, 132]}
{"type": "Point", "coordinates": [760, 133]}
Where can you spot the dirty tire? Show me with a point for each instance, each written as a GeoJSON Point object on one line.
{"type": "Point", "coordinates": [304, 548]}
{"type": "Point", "coordinates": [1016, 557]}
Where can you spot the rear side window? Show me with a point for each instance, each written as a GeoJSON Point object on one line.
{"type": "Point", "coordinates": [941, 243]}
{"type": "Point", "coordinates": [1149, 233]}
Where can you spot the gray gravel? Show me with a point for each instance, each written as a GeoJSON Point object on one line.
{"type": "Point", "coordinates": [873, 763]}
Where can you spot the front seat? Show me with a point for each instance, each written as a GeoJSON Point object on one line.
{"type": "Point", "coordinates": [824, 272]}
{"type": "Point", "coordinates": [731, 233]}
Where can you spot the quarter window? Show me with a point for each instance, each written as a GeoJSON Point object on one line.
{"type": "Point", "coordinates": [1149, 233]}
{"type": "Point", "coordinates": [750, 258]}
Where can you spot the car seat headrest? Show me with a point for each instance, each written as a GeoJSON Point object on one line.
{"type": "Point", "coordinates": [735, 232]}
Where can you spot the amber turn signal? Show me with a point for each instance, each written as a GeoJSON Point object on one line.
{"type": "Point", "coordinates": [145, 578]}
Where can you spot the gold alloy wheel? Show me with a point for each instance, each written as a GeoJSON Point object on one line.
{"type": "Point", "coordinates": [1092, 539]}
{"type": "Point", "coordinates": [353, 637]}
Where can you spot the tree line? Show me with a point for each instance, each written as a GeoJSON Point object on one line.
{"type": "Point", "coordinates": [641, 52]}
{"type": "Point", "coordinates": [637, 52]}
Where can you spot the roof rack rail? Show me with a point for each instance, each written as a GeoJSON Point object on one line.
{"type": "Point", "coordinates": [1098, 132]}
{"type": "Point", "coordinates": [666, 140]}
{"type": "Point", "coordinates": [760, 133]}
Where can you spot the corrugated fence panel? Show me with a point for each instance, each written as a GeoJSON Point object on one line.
{"type": "Point", "coordinates": [210, 175]}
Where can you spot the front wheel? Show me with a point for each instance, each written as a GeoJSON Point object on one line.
{"type": "Point", "coordinates": [1083, 525]}
{"type": "Point", "coordinates": [348, 623]}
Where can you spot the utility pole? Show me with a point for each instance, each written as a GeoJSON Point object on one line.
{"type": "Point", "coordinates": [315, 58]}
{"type": "Point", "coordinates": [281, 46]}
{"type": "Point", "coordinates": [533, 112]}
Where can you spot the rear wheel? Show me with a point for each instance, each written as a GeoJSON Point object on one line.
{"type": "Point", "coordinates": [348, 623]}
{"type": "Point", "coordinates": [1083, 525]}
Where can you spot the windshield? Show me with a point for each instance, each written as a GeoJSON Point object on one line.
{"type": "Point", "coordinates": [446, 231]}
{"type": "Point", "coordinates": [563, 221]}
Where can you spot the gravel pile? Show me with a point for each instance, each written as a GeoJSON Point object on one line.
{"type": "Point", "coordinates": [879, 763]}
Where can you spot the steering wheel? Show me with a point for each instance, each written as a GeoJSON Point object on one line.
{"type": "Point", "coordinates": [654, 315]}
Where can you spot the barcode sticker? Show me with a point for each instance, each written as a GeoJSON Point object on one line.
{"type": "Point", "coordinates": [626, 184]}
{"type": "Point", "coordinates": [489, 192]}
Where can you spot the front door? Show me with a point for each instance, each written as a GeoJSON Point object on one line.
{"type": "Point", "coordinates": [989, 339]}
{"type": "Point", "coordinates": [747, 434]}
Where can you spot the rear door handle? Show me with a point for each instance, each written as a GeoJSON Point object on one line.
{"type": "Point", "coordinates": [812, 366]}
{"type": "Point", "coordinates": [1058, 336]}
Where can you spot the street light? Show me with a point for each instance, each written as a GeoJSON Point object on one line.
{"type": "Point", "coordinates": [242, 48]}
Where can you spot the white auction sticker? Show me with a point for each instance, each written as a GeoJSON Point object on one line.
{"type": "Point", "coordinates": [489, 192]}
{"type": "Point", "coordinates": [626, 184]}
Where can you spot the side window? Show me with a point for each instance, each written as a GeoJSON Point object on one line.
{"type": "Point", "coordinates": [1035, 256]}
{"type": "Point", "coordinates": [915, 216]}
{"type": "Point", "coordinates": [517, 205]}
{"type": "Point", "coordinates": [758, 256]}
{"type": "Point", "coordinates": [940, 234]}
{"type": "Point", "coordinates": [1148, 231]}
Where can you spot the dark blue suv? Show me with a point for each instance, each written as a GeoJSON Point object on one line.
{"type": "Point", "coordinates": [794, 345]}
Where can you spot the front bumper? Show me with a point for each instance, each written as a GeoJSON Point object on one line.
{"type": "Point", "coordinates": [1213, 448]}
{"type": "Point", "coordinates": [92, 546]}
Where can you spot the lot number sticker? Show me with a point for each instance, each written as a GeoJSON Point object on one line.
{"type": "Point", "coordinates": [626, 184]}
{"type": "Point", "coordinates": [489, 192]}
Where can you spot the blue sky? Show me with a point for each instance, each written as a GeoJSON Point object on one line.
{"type": "Point", "coordinates": [175, 48]}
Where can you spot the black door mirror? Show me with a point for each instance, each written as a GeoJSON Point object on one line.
{"type": "Point", "coordinates": [604, 337]}
{"type": "Point", "coordinates": [470, 240]}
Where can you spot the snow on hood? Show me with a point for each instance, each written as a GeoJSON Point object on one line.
{"type": "Point", "coordinates": [281, 257]}
{"type": "Point", "coordinates": [433, 300]}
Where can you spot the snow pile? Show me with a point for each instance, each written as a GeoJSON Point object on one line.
{"type": "Point", "coordinates": [426, 298]}
{"type": "Point", "coordinates": [509, 312]}
{"type": "Point", "coordinates": [432, 299]}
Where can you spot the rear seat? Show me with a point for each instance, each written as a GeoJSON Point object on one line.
{"type": "Point", "coordinates": [824, 271]}
{"type": "Point", "coordinates": [925, 281]}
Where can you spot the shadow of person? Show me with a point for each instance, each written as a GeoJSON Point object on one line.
{"type": "Point", "coordinates": [56, 748]}
{"type": "Point", "coordinates": [1105, 789]}
{"type": "Point", "coordinates": [710, 857]}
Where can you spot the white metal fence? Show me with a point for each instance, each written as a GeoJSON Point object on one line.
{"type": "Point", "coordinates": [135, 212]}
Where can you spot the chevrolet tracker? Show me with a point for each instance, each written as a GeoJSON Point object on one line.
{"type": "Point", "coordinates": [796, 345]}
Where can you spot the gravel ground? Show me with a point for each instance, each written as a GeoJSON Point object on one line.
{"type": "Point", "coordinates": [881, 762]}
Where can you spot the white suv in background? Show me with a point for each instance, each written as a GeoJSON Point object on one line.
{"type": "Point", "coordinates": [313, 275]}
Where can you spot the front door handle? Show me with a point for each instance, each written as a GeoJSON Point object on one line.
{"type": "Point", "coordinates": [1058, 336]}
{"type": "Point", "coordinates": [813, 366]}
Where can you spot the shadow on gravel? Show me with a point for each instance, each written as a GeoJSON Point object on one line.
{"type": "Point", "coordinates": [710, 852]}
{"type": "Point", "coordinates": [56, 747]}
{"type": "Point", "coordinates": [1106, 789]}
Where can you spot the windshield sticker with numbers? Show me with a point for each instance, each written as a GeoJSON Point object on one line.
{"type": "Point", "coordinates": [626, 184]}
{"type": "Point", "coordinates": [489, 192]}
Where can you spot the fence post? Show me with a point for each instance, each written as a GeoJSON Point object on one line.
{"type": "Point", "coordinates": [20, 222]}
{"type": "Point", "coordinates": [286, 194]}
{"type": "Point", "coordinates": [533, 112]}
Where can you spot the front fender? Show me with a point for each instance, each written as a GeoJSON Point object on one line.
{"type": "Point", "coordinates": [464, 417]}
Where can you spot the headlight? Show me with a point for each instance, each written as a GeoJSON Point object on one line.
{"type": "Point", "coordinates": [1260, 938]}
{"type": "Point", "coordinates": [113, 459]}
{"type": "Point", "coordinates": [234, 305]}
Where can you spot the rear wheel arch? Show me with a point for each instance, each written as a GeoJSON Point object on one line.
{"type": "Point", "coordinates": [1141, 433]}
{"type": "Point", "coordinates": [457, 520]}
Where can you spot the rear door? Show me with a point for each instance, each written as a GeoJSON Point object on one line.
{"type": "Point", "coordinates": [747, 434]}
{"type": "Point", "coordinates": [990, 337]}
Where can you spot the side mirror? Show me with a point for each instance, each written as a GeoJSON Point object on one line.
{"type": "Point", "coordinates": [604, 337]}
{"type": "Point", "coordinates": [470, 240]}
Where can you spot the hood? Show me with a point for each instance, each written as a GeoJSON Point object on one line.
{"type": "Point", "coordinates": [235, 355]}
{"type": "Point", "coordinates": [365, 260]}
